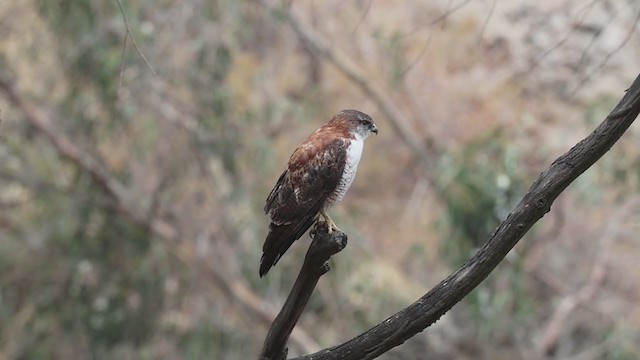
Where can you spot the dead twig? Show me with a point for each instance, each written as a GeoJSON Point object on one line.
{"type": "Point", "coordinates": [135, 44]}
{"type": "Point", "coordinates": [609, 55]}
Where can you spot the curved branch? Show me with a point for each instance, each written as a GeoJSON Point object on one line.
{"type": "Point", "coordinates": [536, 202]}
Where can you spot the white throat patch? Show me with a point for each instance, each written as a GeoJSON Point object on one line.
{"type": "Point", "coordinates": [354, 153]}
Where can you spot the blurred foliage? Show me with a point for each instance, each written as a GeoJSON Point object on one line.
{"type": "Point", "coordinates": [200, 144]}
{"type": "Point", "coordinates": [479, 186]}
{"type": "Point", "coordinates": [96, 274]}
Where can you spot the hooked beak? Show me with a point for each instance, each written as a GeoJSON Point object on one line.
{"type": "Point", "coordinates": [374, 129]}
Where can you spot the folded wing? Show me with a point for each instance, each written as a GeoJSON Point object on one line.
{"type": "Point", "coordinates": [309, 184]}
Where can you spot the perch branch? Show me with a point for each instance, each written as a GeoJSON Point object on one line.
{"type": "Point", "coordinates": [536, 202]}
{"type": "Point", "coordinates": [323, 246]}
{"type": "Point", "coordinates": [235, 290]}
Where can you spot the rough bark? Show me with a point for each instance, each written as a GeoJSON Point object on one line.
{"type": "Point", "coordinates": [536, 202]}
{"type": "Point", "coordinates": [323, 246]}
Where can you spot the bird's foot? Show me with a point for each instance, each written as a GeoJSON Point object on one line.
{"type": "Point", "coordinates": [330, 224]}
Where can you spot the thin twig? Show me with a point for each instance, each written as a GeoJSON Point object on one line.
{"type": "Point", "coordinates": [421, 53]}
{"type": "Point", "coordinates": [485, 23]}
{"type": "Point", "coordinates": [609, 55]}
{"type": "Point", "coordinates": [133, 40]}
{"type": "Point", "coordinates": [580, 18]}
{"type": "Point", "coordinates": [594, 39]}
{"type": "Point", "coordinates": [362, 17]}
{"type": "Point", "coordinates": [588, 290]}
{"type": "Point", "coordinates": [124, 51]}
{"type": "Point", "coordinates": [442, 17]}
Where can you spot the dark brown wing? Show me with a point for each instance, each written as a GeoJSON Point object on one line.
{"type": "Point", "coordinates": [314, 172]}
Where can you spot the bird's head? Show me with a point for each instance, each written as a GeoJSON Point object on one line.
{"type": "Point", "coordinates": [358, 123]}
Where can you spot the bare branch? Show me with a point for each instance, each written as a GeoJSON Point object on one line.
{"type": "Point", "coordinates": [604, 61]}
{"type": "Point", "coordinates": [536, 202]}
{"type": "Point", "coordinates": [421, 53]}
{"type": "Point", "coordinates": [323, 246]}
{"type": "Point", "coordinates": [579, 20]}
{"type": "Point", "coordinates": [449, 10]}
{"type": "Point", "coordinates": [585, 52]}
{"type": "Point", "coordinates": [362, 16]}
{"type": "Point", "coordinates": [133, 40]}
{"type": "Point", "coordinates": [485, 23]}
{"type": "Point", "coordinates": [65, 147]}
{"type": "Point", "coordinates": [124, 51]}
{"type": "Point", "coordinates": [441, 18]}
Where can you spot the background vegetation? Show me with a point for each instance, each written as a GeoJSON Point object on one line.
{"type": "Point", "coordinates": [472, 98]}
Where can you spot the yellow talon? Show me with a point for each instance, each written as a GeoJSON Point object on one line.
{"type": "Point", "coordinates": [332, 226]}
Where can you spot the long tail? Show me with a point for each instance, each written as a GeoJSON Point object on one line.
{"type": "Point", "coordinates": [279, 240]}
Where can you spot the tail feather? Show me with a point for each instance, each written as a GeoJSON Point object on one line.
{"type": "Point", "coordinates": [279, 240]}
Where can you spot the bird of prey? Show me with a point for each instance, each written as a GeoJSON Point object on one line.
{"type": "Point", "coordinates": [317, 176]}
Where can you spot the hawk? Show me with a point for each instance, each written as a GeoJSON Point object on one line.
{"type": "Point", "coordinates": [319, 173]}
